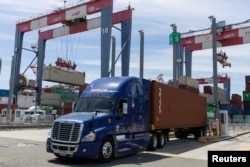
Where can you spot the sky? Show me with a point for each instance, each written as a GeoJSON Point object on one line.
{"type": "Point", "coordinates": [153, 17]}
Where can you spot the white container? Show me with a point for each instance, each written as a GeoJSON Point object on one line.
{"type": "Point", "coordinates": [63, 75]}
{"type": "Point", "coordinates": [185, 80]}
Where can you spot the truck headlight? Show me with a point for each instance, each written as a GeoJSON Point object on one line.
{"type": "Point", "coordinates": [89, 137]}
{"type": "Point", "coordinates": [49, 134]}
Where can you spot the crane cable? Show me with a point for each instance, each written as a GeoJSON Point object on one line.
{"type": "Point", "coordinates": [67, 47]}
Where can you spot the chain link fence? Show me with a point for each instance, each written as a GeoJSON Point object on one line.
{"type": "Point", "coordinates": [239, 124]}
{"type": "Point", "coordinates": [26, 119]}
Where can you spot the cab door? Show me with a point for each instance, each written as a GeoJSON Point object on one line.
{"type": "Point", "coordinates": [123, 127]}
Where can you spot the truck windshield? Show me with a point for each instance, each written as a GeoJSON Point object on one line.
{"type": "Point", "coordinates": [95, 104]}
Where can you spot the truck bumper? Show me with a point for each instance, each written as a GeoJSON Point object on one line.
{"type": "Point", "coordinates": [84, 150]}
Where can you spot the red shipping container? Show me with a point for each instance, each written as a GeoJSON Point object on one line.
{"type": "Point", "coordinates": [171, 107]}
{"type": "Point", "coordinates": [246, 104]}
{"type": "Point", "coordinates": [207, 90]}
{"type": "Point", "coordinates": [248, 87]}
{"type": "Point", "coordinates": [236, 97]}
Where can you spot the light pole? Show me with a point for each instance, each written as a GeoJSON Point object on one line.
{"type": "Point", "coordinates": [174, 56]}
{"type": "Point", "coordinates": [141, 52]}
{"type": "Point", "coordinates": [215, 81]}
{"type": "Point", "coordinates": [214, 46]}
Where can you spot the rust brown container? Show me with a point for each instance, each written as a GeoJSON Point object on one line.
{"type": "Point", "coordinates": [175, 108]}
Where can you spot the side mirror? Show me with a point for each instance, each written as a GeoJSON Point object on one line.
{"type": "Point", "coordinates": [125, 108]}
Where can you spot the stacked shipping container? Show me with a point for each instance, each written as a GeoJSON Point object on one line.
{"type": "Point", "coordinates": [246, 96]}
{"type": "Point", "coordinates": [58, 98]}
{"type": "Point", "coordinates": [189, 84]}
{"type": "Point", "coordinates": [235, 107]}
{"type": "Point", "coordinates": [208, 92]}
{"type": "Point", "coordinates": [192, 85]}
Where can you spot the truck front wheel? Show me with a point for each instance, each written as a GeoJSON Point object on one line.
{"type": "Point", "coordinates": [107, 150]}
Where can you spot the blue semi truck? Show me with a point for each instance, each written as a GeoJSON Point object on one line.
{"type": "Point", "coordinates": [116, 116]}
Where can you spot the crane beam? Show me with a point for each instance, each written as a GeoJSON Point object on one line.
{"type": "Point", "coordinates": [227, 37]}
{"type": "Point", "coordinates": [62, 15]}
{"type": "Point", "coordinates": [210, 80]}
{"type": "Point", "coordinates": [90, 24]}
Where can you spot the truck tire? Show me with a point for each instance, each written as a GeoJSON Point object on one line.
{"type": "Point", "coordinates": [161, 140]}
{"type": "Point", "coordinates": [106, 151]}
{"type": "Point", "coordinates": [198, 133]}
{"type": "Point", "coordinates": [153, 142]}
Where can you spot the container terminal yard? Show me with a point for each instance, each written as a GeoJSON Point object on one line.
{"type": "Point", "coordinates": [28, 102]}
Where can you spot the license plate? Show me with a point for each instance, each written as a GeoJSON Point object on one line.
{"type": "Point", "coordinates": [62, 153]}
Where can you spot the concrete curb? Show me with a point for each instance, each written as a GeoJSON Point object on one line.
{"type": "Point", "coordinates": [213, 139]}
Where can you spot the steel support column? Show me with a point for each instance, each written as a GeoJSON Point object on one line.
{"type": "Point", "coordinates": [188, 63]}
{"type": "Point", "coordinates": [125, 44]}
{"type": "Point", "coordinates": [17, 56]}
{"type": "Point", "coordinates": [214, 46]}
{"type": "Point", "coordinates": [40, 64]}
{"type": "Point", "coordinates": [179, 61]}
{"type": "Point", "coordinates": [106, 29]}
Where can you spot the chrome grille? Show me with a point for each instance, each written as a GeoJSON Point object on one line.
{"type": "Point", "coordinates": [66, 132]}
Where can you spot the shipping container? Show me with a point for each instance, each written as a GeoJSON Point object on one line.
{"type": "Point", "coordinates": [186, 80]}
{"type": "Point", "coordinates": [26, 101]}
{"type": "Point", "coordinates": [236, 97]}
{"type": "Point", "coordinates": [236, 103]}
{"type": "Point", "coordinates": [166, 111]}
{"type": "Point", "coordinates": [57, 74]}
{"type": "Point", "coordinates": [224, 107]}
{"type": "Point", "coordinates": [247, 111]}
{"type": "Point", "coordinates": [235, 110]}
{"type": "Point", "coordinates": [247, 87]}
{"type": "Point", "coordinates": [189, 88]}
{"type": "Point", "coordinates": [247, 79]}
{"type": "Point", "coordinates": [246, 104]}
{"type": "Point", "coordinates": [47, 90]}
{"type": "Point", "coordinates": [246, 96]}
{"type": "Point", "coordinates": [50, 102]}
{"type": "Point", "coordinates": [209, 98]}
{"type": "Point", "coordinates": [51, 96]}
{"type": "Point", "coordinates": [4, 93]}
{"type": "Point", "coordinates": [61, 90]}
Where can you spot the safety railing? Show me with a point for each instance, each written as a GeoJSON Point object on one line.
{"type": "Point", "coordinates": [26, 119]}
{"type": "Point", "coordinates": [239, 124]}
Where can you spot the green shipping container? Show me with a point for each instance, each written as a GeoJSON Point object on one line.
{"type": "Point", "coordinates": [61, 90]}
{"type": "Point", "coordinates": [246, 96]}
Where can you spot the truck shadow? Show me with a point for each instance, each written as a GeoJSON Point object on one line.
{"type": "Point", "coordinates": [178, 146]}
{"type": "Point", "coordinates": [172, 148]}
{"type": "Point", "coordinates": [138, 159]}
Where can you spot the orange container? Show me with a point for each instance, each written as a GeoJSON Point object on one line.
{"type": "Point", "coordinates": [171, 107]}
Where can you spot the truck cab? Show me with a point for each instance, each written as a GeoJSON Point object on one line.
{"type": "Point", "coordinates": [110, 120]}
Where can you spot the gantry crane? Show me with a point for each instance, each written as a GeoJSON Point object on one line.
{"type": "Point", "coordinates": [224, 79]}
{"type": "Point", "coordinates": [73, 20]}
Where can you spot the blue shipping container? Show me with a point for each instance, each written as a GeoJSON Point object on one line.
{"type": "Point", "coordinates": [235, 110]}
{"type": "Point", "coordinates": [225, 107]}
{"type": "Point", "coordinates": [4, 93]}
{"type": "Point", "coordinates": [247, 111]}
